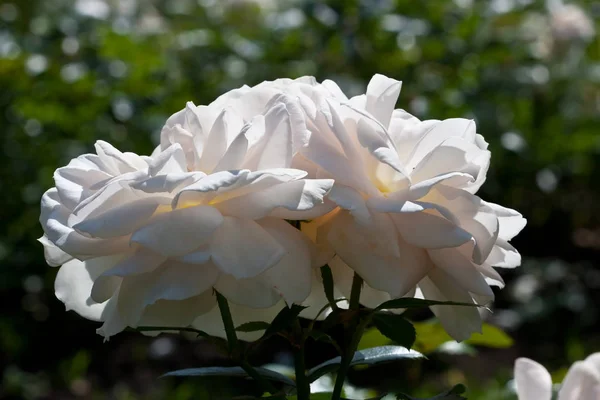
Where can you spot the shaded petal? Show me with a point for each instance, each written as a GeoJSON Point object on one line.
{"type": "Point", "coordinates": [53, 255]}
{"type": "Point", "coordinates": [429, 230]}
{"type": "Point", "coordinates": [533, 382]}
{"type": "Point", "coordinates": [459, 321]}
{"type": "Point", "coordinates": [123, 219]}
{"type": "Point", "coordinates": [372, 259]}
{"type": "Point", "coordinates": [73, 285]}
{"type": "Point", "coordinates": [180, 231]}
{"type": "Point", "coordinates": [179, 313]}
{"type": "Point", "coordinates": [171, 281]}
{"type": "Point", "coordinates": [455, 264]}
{"type": "Point", "coordinates": [242, 248]}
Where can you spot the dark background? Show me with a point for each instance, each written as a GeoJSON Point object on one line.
{"type": "Point", "coordinates": [74, 72]}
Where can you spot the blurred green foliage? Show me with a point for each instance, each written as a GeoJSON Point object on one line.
{"type": "Point", "coordinates": [73, 72]}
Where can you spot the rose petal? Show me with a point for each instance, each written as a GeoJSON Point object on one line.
{"type": "Point", "coordinates": [242, 248]}
{"type": "Point", "coordinates": [533, 382]}
{"type": "Point", "coordinates": [180, 231]}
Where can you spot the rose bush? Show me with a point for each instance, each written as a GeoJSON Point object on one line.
{"type": "Point", "coordinates": [144, 240]}
{"type": "Point", "coordinates": [533, 382]}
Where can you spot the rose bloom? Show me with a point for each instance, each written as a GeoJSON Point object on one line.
{"type": "Point", "coordinates": [409, 222]}
{"type": "Point", "coordinates": [142, 241]}
{"type": "Point", "coordinates": [533, 382]}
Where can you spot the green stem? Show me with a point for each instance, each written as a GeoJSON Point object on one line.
{"type": "Point", "coordinates": [357, 330]}
{"type": "Point", "coordinates": [302, 383]}
{"type": "Point", "coordinates": [233, 342]}
{"type": "Point", "coordinates": [355, 293]}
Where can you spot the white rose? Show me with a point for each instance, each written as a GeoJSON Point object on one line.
{"type": "Point", "coordinates": [144, 240]}
{"type": "Point", "coordinates": [409, 222]}
{"type": "Point", "coordinates": [533, 382]}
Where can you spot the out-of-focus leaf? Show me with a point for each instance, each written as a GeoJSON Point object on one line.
{"type": "Point", "coordinates": [365, 357]}
{"type": "Point", "coordinates": [431, 335]}
{"type": "Point", "coordinates": [372, 338]}
{"type": "Point", "coordinates": [491, 336]}
{"type": "Point", "coordinates": [231, 372]}
{"type": "Point", "coordinates": [395, 327]}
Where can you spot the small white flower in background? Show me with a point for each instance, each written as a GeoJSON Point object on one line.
{"type": "Point", "coordinates": [144, 240]}
{"type": "Point", "coordinates": [408, 221]}
{"type": "Point", "coordinates": [569, 22]}
{"type": "Point", "coordinates": [533, 382]}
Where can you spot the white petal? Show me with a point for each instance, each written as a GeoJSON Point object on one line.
{"type": "Point", "coordinates": [234, 156]}
{"type": "Point", "coordinates": [504, 255]}
{"type": "Point", "coordinates": [373, 261]}
{"type": "Point", "coordinates": [242, 248]}
{"type": "Point", "coordinates": [291, 276]}
{"type": "Point", "coordinates": [178, 313]}
{"type": "Point", "coordinates": [72, 183]}
{"type": "Point", "coordinates": [53, 255]}
{"type": "Point", "coordinates": [300, 195]}
{"type": "Point", "coordinates": [454, 127]}
{"type": "Point", "coordinates": [429, 230]}
{"type": "Point", "coordinates": [171, 160]}
{"type": "Point", "coordinates": [473, 216]}
{"type": "Point", "coordinates": [119, 162]}
{"type": "Point", "coordinates": [533, 382]}
{"type": "Point", "coordinates": [73, 285]}
{"type": "Point", "coordinates": [123, 219]}
{"type": "Point", "coordinates": [140, 262]}
{"type": "Point", "coordinates": [216, 144]}
{"type": "Point", "coordinates": [455, 264]}
{"type": "Point", "coordinates": [382, 93]}
{"type": "Point", "coordinates": [351, 200]}
{"type": "Point", "coordinates": [180, 231]}
{"type": "Point", "coordinates": [459, 321]}
{"type": "Point", "coordinates": [167, 183]}
{"type": "Point", "coordinates": [171, 281]}
{"type": "Point", "coordinates": [511, 221]}
{"type": "Point", "coordinates": [379, 145]}
{"type": "Point", "coordinates": [228, 184]}
{"type": "Point", "coordinates": [581, 383]}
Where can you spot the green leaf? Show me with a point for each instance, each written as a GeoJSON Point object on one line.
{"type": "Point", "coordinates": [395, 327]}
{"type": "Point", "coordinates": [431, 335]}
{"type": "Point", "coordinates": [491, 336]}
{"type": "Point", "coordinates": [231, 372]}
{"type": "Point", "coordinates": [327, 277]}
{"type": "Point", "coordinates": [253, 326]}
{"type": "Point", "coordinates": [284, 319]}
{"type": "Point", "coordinates": [372, 338]}
{"type": "Point", "coordinates": [365, 357]}
{"type": "Point", "coordinates": [410, 302]}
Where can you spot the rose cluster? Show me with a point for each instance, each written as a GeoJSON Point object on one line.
{"type": "Point", "coordinates": [145, 240]}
